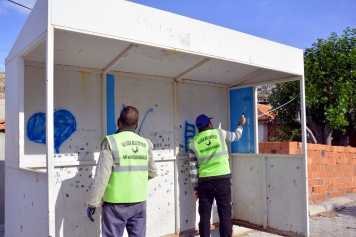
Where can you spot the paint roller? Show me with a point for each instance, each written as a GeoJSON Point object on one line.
{"type": "Point", "coordinates": [246, 100]}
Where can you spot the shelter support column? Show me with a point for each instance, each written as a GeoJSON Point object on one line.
{"type": "Point", "coordinates": [255, 122]}
{"type": "Point", "coordinates": [176, 161]}
{"type": "Point", "coordinates": [304, 143]}
{"type": "Point", "coordinates": [50, 129]}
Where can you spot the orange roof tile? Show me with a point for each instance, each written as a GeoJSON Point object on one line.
{"type": "Point", "coordinates": [263, 113]}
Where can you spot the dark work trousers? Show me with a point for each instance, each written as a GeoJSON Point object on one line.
{"type": "Point", "coordinates": [220, 189]}
{"type": "Point", "coordinates": [115, 217]}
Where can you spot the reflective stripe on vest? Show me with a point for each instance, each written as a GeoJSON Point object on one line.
{"type": "Point", "coordinates": [212, 153]}
{"type": "Point", "coordinates": [118, 168]}
{"type": "Point", "coordinates": [129, 177]}
{"type": "Point", "coordinates": [222, 153]}
{"type": "Point", "coordinates": [114, 149]}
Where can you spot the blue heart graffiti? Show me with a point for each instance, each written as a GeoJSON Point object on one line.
{"type": "Point", "coordinates": [64, 126]}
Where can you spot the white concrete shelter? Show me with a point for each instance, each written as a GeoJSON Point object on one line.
{"type": "Point", "coordinates": [74, 66]}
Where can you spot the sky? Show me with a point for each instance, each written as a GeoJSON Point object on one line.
{"type": "Point", "coordinates": [297, 23]}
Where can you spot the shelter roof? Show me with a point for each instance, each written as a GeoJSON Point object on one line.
{"type": "Point", "coordinates": [121, 36]}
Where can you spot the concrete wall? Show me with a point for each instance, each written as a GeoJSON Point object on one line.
{"type": "Point", "coordinates": [2, 177]}
{"type": "Point", "coordinates": [2, 149]}
{"type": "Point", "coordinates": [268, 191]}
{"type": "Point", "coordinates": [331, 169]}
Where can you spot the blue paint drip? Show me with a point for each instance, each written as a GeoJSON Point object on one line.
{"type": "Point", "coordinates": [144, 118]}
{"type": "Point", "coordinates": [64, 126]}
{"type": "Point", "coordinates": [110, 104]}
{"type": "Point", "coordinates": [189, 132]}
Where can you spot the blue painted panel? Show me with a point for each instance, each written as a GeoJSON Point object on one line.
{"type": "Point", "coordinates": [110, 104]}
{"type": "Point", "coordinates": [241, 99]}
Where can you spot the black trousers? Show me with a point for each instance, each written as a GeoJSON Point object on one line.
{"type": "Point", "coordinates": [220, 189]}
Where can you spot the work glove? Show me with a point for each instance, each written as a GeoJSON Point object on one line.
{"type": "Point", "coordinates": [90, 213]}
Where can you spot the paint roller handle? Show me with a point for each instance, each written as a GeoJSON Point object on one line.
{"type": "Point", "coordinates": [90, 212]}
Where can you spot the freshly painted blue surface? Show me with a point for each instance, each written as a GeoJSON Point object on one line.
{"type": "Point", "coordinates": [241, 99]}
{"type": "Point", "coordinates": [64, 126]}
{"type": "Point", "coordinates": [189, 132]}
{"type": "Point", "coordinates": [110, 104]}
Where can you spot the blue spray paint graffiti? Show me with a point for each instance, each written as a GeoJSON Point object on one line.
{"type": "Point", "coordinates": [36, 128]}
{"type": "Point", "coordinates": [189, 132]}
{"type": "Point", "coordinates": [144, 118]}
{"type": "Point", "coordinates": [64, 126]}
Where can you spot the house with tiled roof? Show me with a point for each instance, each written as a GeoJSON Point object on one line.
{"type": "Point", "coordinates": [264, 117]}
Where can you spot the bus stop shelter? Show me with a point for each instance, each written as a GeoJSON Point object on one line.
{"type": "Point", "coordinates": [76, 64]}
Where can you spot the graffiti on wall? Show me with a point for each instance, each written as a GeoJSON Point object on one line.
{"type": "Point", "coordinates": [150, 110]}
{"type": "Point", "coordinates": [189, 133]}
{"type": "Point", "coordinates": [144, 118]}
{"type": "Point", "coordinates": [64, 126]}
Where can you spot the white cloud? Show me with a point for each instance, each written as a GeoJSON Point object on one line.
{"type": "Point", "coordinates": [4, 4]}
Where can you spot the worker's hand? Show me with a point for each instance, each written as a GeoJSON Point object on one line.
{"type": "Point", "coordinates": [195, 194]}
{"type": "Point", "coordinates": [242, 120]}
{"type": "Point", "coordinates": [90, 213]}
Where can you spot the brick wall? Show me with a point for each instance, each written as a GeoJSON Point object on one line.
{"type": "Point", "coordinates": [272, 130]}
{"type": "Point", "coordinates": [331, 169]}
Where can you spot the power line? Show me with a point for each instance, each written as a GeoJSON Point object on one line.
{"type": "Point", "coordinates": [278, 107]}
{"type": "Point", "coordinates": [20, 4]}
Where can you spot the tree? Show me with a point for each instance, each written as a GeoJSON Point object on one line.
{"type": "Point", "coordinates": [330, 79]}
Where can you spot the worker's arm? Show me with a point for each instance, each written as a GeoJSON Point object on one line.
{"type": "Point", "coordinates": [102, 175]}
{"type": "Point", "coordinates": [235, 136]}
{"type": "Point", "coordinates": [193, 161]}
{"type": "Point", "coordinates": [152, 169]}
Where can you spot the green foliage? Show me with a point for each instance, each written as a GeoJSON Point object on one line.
{"type": "Point", "coordinates": [286, 135]}
{"type": "Point", "coordinates": [330, 82]}
{"type": "Point", "coordinates": [285, 116]}
{"type": "Point", "coordinates": [330, 78]}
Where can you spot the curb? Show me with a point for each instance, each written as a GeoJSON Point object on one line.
{"type": "Point", "coordinates": [330, 204]}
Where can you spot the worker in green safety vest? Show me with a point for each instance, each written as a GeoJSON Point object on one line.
{"type": "Point", "coordinates": [210, 172]}
{"type": "Point", "coordinates": [124, 167]}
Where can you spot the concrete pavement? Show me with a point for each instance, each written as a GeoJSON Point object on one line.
{"type": "Point", "coordinates": [329, 218]}
{"type": "Point", "coordinates": [335, 217]}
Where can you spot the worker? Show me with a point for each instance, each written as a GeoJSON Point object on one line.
{"type": "Point", "coordinates": [124, 167]}
{"type": "Point", "coordinates": [210, 172]}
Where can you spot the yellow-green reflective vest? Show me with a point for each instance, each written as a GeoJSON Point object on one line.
{"type": "Point", "coordinates": [129, 176]}
{"type": "Point", "coordinates": [211, 150]}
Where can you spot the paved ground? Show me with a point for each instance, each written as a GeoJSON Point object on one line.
{"type": "Point", "coordinates": [339, 221]}
{"type": "Point", "coordinates": [332, 218]}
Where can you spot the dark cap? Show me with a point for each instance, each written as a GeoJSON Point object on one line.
{"type": "Point", "coordinates": [202, 120]}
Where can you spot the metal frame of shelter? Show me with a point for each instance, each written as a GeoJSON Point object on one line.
{"type": "Point", "coordinates": [127, 39]}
